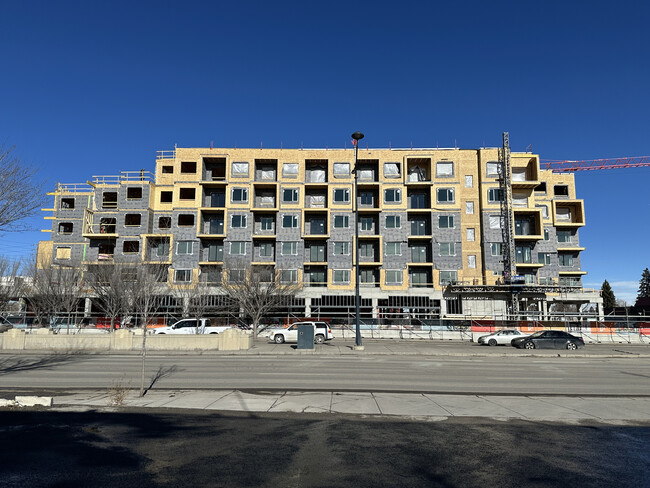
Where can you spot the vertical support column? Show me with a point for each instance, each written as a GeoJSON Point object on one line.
{"type": "Point", "coordinates": [88, 307]}
{"type": "Point", "coordinates": [307, 307]}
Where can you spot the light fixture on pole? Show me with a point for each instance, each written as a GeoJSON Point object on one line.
{"type": "Point", "coordinates": [357, 136]}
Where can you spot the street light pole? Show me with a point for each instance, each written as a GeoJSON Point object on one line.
{"type": "Point", "coordinates": [357, 136]}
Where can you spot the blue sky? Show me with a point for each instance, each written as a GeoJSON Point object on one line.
{"type": "Point", "coordinates": [95, 88]}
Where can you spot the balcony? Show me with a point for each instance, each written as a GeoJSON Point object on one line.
{"type": "Point", "coordinates": [106, 228]}
{"type": "Point", "coordinates": [568, 213]}
{"type": "Point", "coordinates": [418, 171]}
{"type": "Point", "coordinates": [525, 174]}
{"type": "Point", "coordinates": [528, 224]}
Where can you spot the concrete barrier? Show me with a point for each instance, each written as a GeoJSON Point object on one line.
{"type": "Point", "coordinates": [124, 340]}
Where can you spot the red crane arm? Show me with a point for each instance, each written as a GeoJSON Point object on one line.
{"type": "Point", "coordinates": [592, 164]}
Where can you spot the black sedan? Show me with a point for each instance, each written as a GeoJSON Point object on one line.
{"type": "Point", "coordinates": [549, 339]}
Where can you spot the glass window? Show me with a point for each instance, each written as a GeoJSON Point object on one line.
{"type": "Point", "coordinates": [66, 227]}
{"type": "Point", "coordinates": [289, 248]}
{"type": "Point", "coordinates": [471, 235]}
{"type": "Point", "coordinates": [238, 221]}
{"type": "Point", "coordinates": [563, 214]}
{"type": "Point", "coordinates": [445, 222]}
{"type": "Point", "coordinates": [393, 222]}
{"type": "Point", "coordinates": [341, 248]}
{"type": "Point", "coordinates": [266, 223]}
{"type": "Point", "coordinates": [392, 170]}
{"type": "Point", "coordinates": [564, 236]}
{"type": "Point", "coordinates": [366, 198]}
{"type": "Point", "coordinates": [238, 248]}
{"type": "Point", "coordinates": [392, 195]}
{"type": "Point", "coordinates": [266, 249]}
{"type": "Point", "coordinates": [544, 210]}
{"type": "Point", "coordinates": [523, 254]}
{"type": "Point", "coordinates": [469, 208]}
{"type": "Point", "coordinates": [185, 247]}
{"type": "Point", "coordinates": [469, 181]}
{"type": "Point", "coordinates": [341, 222]}
{"type": "Point", "coordinates": [289, 276]}
{"type": "Point", "coordinates": [162, 248]}
{"type": "Point", "coordinates": [544, 258]}
{"type": "Point", "coordinates": [236, 275]}
{"type": "Point", "coordinates": [366, 223]}
{"type": "Point", "coordinates": [418, 253]}
{"type": "Point", "coordinates": [393, 277]}
{"type": "Point", "coordinates": [367, 250]}
{"type": "Point", "coordinates": [496, 248]}
{"type": "Point", "coordinates": [290, 195]}
{"type": "Point", "coordinates": [290, 221]}
{"type": "Point", "coordinates": [182, 276]}
{"type": "Point", "coordinates": [341, 276]}
{"type": "Point", "coordinates": [495, 195]}
{"type": "Point", "coordinates": [471, 261]}
{"type": "Point", "coordinates": [447, 277]}
{"type": "Point", "coordinates": [546, 235]}
{"type": "Point", "coordinates": [445, 195]}
{"type": "Point", "coordinates": [341, 195]}
{"type": "Point", "coordinates": [444, 169]}
{"type": "Point", "coordinates": [290, 169]}
{"type": "Point", "coordinates": [342, 170]}
{"type": "Point", "coordinates": [240, 194]}
{"type": "Point", "coordinates": [188, 167]}
{"type": "Point", "coordinates": [393, 249]}
{"type": "Point", "coordinates": [565, 259]}
{"type": "Point", "coordinates": [447, 249]}
{"type": "Point", "coordinates": [240, 168]}
{"type": "Point", "coordinates": [493, 169]}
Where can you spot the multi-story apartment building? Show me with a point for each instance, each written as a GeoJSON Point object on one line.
{"type": "Point", "coordinates": [430, 237]}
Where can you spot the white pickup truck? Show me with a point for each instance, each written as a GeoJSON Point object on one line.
{"type": "Point", "coordinates": [188, 326]}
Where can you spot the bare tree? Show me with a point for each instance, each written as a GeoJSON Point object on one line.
{"type": "Point", "coordinates": [257, 289]}
{"type": "Point", "coordinates": [145, 284]}
{"type": "Point", "coordinates": [20, 195]}
{"type": "Point", "coordinates": [111, 290]}
{"type": "Point", "coordinates": [57, 290]}
{"type": "Point", "coordinates": [13, 287]}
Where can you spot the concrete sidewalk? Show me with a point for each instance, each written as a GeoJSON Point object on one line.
{"type": "Point", "coordinates": [422, 406]}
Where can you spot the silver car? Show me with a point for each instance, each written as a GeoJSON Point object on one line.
{"type": "Point", "coordinates": [501, 337]}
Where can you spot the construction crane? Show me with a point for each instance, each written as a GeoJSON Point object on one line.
{"type": "Point", "coordinates": [505, 184]}
{"type": "Point", "coordinates": [593, 164]}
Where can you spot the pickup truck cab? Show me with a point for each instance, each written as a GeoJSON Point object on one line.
{"type": "Point", "coordinates": [322, 333]}
{"type": "Point", "coordinates": [188, 326]}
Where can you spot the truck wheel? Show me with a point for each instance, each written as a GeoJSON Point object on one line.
{"type": "Point", "coordinates": [319, 339]}
{"type": "Point", "coordinates": [279, 339]}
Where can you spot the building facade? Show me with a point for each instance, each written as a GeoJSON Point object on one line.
{"type": "Point", "coordinates": [430, 228]}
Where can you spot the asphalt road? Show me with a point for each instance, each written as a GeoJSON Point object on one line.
{"type": "Point", "coordinates": [435, 374]}
{"type": "Point", "coordinates": [185, 448]}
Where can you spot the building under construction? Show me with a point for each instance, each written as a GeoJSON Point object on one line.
{"type": "Point", "coordinates": [442, 233]}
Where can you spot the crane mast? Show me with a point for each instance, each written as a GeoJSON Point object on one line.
{"type": "Point", "coordinates": [507, 220]}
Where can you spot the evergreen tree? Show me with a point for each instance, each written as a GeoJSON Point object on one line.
{"type": "Point", "coordinates": [609, 299]}
{"type": "Point", "coordinates": [644, 286]}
